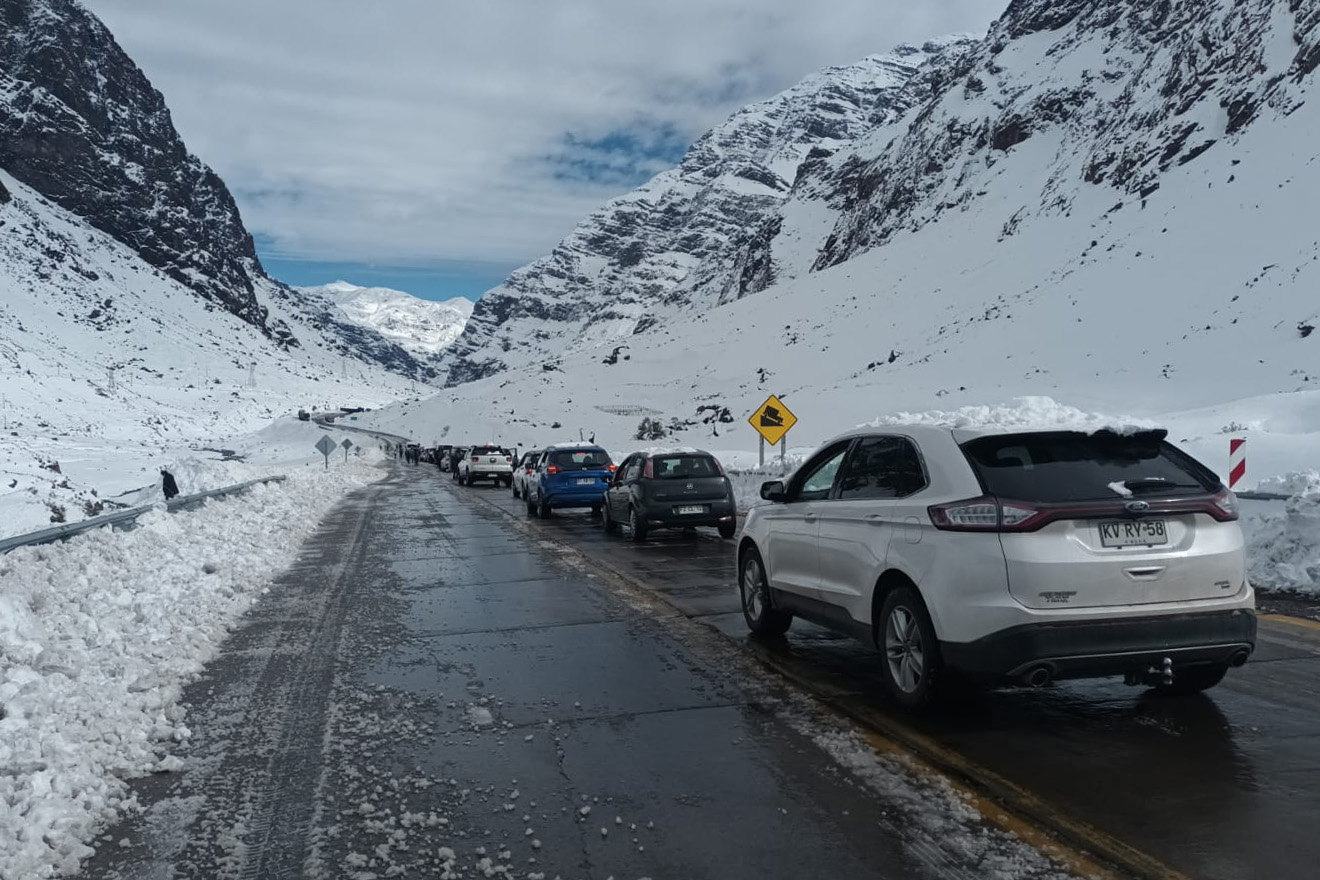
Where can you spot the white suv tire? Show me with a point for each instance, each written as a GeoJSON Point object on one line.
{"type": "Point", "coordinates": [906, 638]}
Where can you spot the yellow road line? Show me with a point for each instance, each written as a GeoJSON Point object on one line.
{"type": "Point", "coordinates": [1289, 620]}
{"type": "Point", "coordinates": [1074, 860]}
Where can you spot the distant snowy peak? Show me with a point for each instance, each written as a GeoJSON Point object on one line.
{"type": "Point", "coordinates": [420, 326]}
{"type": "Point", "coordinates": [676, 243]}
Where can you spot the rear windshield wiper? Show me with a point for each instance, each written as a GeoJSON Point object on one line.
{"type": "Point", "coordinates": [1156, 484]}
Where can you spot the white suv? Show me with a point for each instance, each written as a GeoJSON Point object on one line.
{"type": "Point", "coordinates": [486, 463]}
{"type": "Point", "coordinates": [1007, 557]}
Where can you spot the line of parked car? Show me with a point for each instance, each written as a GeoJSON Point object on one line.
{"type": "Point", "coordinates": [977, 556]}
{"type": "Point", "coordinates": [680, 488]}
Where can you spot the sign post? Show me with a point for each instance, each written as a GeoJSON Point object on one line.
{"type": "Point", "coordinates": [347, 444]}
{"type": "Point", "coordinates": [325, 446]}
{"type": "Point", "coordinates": [772, 420]}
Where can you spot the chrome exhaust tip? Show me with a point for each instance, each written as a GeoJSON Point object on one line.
{"type": "Point", "coordinates": [1039, 676]}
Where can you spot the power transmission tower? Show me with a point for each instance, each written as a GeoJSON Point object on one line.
{"type": "Point", "coordinates": [252, 375]}
{"type": "Point", "coordinates": [111, 372]}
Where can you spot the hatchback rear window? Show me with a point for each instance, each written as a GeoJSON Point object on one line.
{"type": "Point", "coordinates": [489, 450]}
{"type": "Point", "coordinates": [1071, 466]}
{"type": "Point", "coordinates": [580, 459]}
{"type": "Point", "coordinates": [681, 467]}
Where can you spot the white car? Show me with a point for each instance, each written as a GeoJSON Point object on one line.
{"type": "Point", "coordinates": [486, 462]}
{"type": "Point", "coordinates": [1007, 557]}
{"type": "Point", "coordinates": [524, 471]}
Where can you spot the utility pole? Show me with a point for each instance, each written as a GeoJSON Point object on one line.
{"type": "Point", "coordinates": [252, 375]}
{"type": "Point", "coordinates": [4, 414]}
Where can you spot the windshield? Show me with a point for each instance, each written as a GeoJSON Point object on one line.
{"type": "Point", "coordinates": [579, 459]}
{"type": "Point", "coordinates": [1069, 466]}
{"type": "Point", "coordinates": [679, 467]}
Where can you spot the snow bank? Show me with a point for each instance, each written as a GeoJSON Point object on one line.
{"type": "Point", "coordinates": [1021, 413]}
{"type": "Point", "coordinates": [1283, 551]}
{"type": "Point", "coordinates": [99, 634]}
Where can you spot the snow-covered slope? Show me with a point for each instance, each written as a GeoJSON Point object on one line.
{"type": "Point", "coordinates": [1099, 250]}
{"type": "Point", "coordinates": [676, 244]}
{"type": "Point", "coordinates": [80, 123]}
{"type": "Point", "coordinates": [110, 369]}
{"type": "Point", "coordinates": [418, 326]}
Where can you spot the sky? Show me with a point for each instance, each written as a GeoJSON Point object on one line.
{"type": "Point", "coordinates": [436, 146]}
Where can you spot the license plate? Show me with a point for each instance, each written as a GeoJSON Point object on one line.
{"type": "Point", "coordinates": [587, 481]}
{"type": "Point", "coordinates": [695, 508]}
{"type": "Point", "coordinates": [1138, 533]}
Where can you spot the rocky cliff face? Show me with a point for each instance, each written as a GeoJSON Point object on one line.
{"type": "Point", "coordinates": [80, 123]}
{"type": "Point", "coordinates": [681, 241]}
{"type": "Point", "coordinates": [1103, 94]}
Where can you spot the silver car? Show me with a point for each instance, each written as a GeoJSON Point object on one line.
{"type": "Point", "coordinates": [523, 471]}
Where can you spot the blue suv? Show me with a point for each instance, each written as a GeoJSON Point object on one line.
{"type": "Point", "coordinates": [569, 475]}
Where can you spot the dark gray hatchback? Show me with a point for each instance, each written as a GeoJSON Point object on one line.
{"type": "Point", "coordinates": [678, 489]}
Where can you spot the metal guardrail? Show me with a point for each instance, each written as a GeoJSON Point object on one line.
{"type": "Point", "coordinates": [120, 517]}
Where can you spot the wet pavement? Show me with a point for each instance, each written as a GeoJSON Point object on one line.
{"type": "Point", "coordinates": [434, 690]}
{"type": "Point", "coordinates": [1222, 786]}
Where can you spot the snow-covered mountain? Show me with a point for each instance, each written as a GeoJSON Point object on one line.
{"type": "Point", "coordinates": [422, 327]}
{"type": "Point", "coordinates": [676, 245]}
{"type": "Point", "coordinates": [134, 313]}
{"type": "Point", "coordinates": [82, 126]}
{"type": "Point", "coordinates": [1102, 202]}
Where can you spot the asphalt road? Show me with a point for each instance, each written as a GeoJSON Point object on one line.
{"type": "Point", "coordinates": [1221, 786]}
{"type": "Point", "coordinates": [437, 689]}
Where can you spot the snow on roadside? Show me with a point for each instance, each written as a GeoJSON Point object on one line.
{"type": "Point", "coordinates": [98, 636]}
{"type": "Point", "coordinates": [1021, 413]}
{"type": "Point", "coordinates": [1283, 550]}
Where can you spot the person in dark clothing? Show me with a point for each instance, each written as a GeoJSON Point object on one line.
{"type": "Point", "coordinates": [167, 483]}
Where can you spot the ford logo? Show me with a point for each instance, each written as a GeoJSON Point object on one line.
{"type": "Point", "coordinates": [1136, 506]}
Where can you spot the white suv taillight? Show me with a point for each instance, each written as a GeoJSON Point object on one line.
{"type": "Point", "coordinates": [985, 515]}
{"type": "Point", "coordinates": [979, 514]}
{"type": "Point", "coordinates": [1225, 506]}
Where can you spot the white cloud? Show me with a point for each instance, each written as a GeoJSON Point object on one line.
{"type": "Point", "coordinates": [415, 131]}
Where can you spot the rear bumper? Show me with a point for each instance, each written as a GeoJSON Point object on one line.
{"type": "Point", "coordinates": [663, 514]}
{"type": "Point", "coordinates": [589, 498]}
{"type": "Point", "coordinates": [1091, 649]}
{"type": "Point", "coordinates": [489, 475]}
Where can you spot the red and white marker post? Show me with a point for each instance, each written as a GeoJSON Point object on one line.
{"type": "Point", "coordinates": [1237, 461]}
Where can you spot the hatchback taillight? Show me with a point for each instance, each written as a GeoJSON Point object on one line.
{"type": "Point", "coordinates": [552, 470]}
{"type": "Point", "coordinates": [611, 468]}
{"type": "Point", "coordinates": [648, 472]}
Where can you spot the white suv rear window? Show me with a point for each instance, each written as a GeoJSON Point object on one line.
{"type": "Point", "coordinates": [1071, 466]}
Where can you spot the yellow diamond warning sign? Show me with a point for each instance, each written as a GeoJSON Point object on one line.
{"type": "Point", "coordinates": [772, 420]}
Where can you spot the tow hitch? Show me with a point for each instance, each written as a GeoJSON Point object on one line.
{"type": "Point", "coordinates": [1163, 674]}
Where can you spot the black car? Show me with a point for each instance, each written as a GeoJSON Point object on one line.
{"type": "Point", "coordinates": [455, 455]}
{"type": "Point", "coordinates": [679, 489]}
